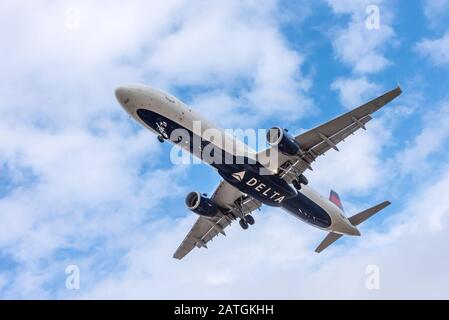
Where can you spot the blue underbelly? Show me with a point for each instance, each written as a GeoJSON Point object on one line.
{"type": "Point", "coordinates": [270, 190]}
{"type": "Point", "coordinates": [307, 210]}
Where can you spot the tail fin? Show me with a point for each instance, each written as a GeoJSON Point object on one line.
{"type": "Point", "coordinates": [335, 199]}
{"type": "Point", "coordinates": [355, 220]}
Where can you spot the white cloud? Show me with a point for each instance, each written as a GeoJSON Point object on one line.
{"type": "Point", "coordinates": [221, 50]}
{"type": "Point", "coordinates": [222, 108]}
{"type": "Point", "coordinates": [164, 45]}
{"type": "Point", "coordinates": [86, 188]}
{"type": "Point", "coordinates": [355, 91]}
{"type": "Point", "coordinates": [434, 7]}
{"type": "Point", "coordinates": [437, 50]}
{"type": "Point", "coordinates": [84, 179]}
{"type": "Point", "coordinates": [436, 11]}
{"type": "Point", "coordinates": [358, 167]}
{"type": "Point", "coordinates": [105, 32]}
{"type": "Point", "coordinates": [432, 139]}
{"type": "Point", "coordinates": [359, 47]}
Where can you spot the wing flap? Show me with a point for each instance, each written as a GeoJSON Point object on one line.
{"type": "Point", "coordinates": [322, 147]}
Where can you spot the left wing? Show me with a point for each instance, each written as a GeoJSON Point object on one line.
{"type": "Point", "coordinates": [205, 229]}
{"type": "Point", "coordinates": [319, 140]}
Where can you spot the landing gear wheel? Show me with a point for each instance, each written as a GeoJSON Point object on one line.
{"type": "Point", "coordinates": [161, 139]}
{"type": "Point", "coordinates": [296, 184]}
{"type": "Point", "coordinates": [243, 224]}
{"type": "Point", "coordinates": [302, 179]}
{"type": "Point", "coordinates": [250, 220]}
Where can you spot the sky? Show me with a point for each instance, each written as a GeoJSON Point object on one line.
{"type": "Point", "coordinates": [83, 187]}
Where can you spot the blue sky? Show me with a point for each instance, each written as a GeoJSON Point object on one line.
{"type": "Point", "coordinates": [82, 184]}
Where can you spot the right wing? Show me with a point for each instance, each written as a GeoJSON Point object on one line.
{"type": "Point", "coordinates": [205, 229]}
{"type": "Point", "coordinates": [319, 140]}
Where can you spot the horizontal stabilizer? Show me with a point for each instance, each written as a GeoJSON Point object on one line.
{"type": "Point", "coordinates": [355, 220]}
{"type": "Point", "coordinates": [364, 215]}
{"type": "Point", "coordinates": [330, 238]}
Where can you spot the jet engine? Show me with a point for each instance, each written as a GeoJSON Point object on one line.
{"type": "Point", "coordinates": [201, 205]}
{"type": "Point", "coordinates": [285, 143]}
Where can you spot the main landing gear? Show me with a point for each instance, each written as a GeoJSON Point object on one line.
{"type": "Point", "coordinates": [301, 180]}
{"type": "Point", "coordinates": [160, 138]}
{"type": "Point", "coordinates": [250, 220]}
{"type": "Point", "coordinates": [246, 222]}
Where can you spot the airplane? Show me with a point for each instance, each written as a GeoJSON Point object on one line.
{"type": "Point", "coordinates": [247, 181]}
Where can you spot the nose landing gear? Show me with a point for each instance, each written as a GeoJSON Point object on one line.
{"type": "Point", "coordinates": [160, 138]}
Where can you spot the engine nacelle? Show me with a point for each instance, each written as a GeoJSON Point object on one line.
{"type": "Point", "coordinates": [201, 205]}
{"type": "Point", "coordinates": [285, 143]}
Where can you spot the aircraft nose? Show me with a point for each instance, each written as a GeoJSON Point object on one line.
{"type": "Point", "coordinates": [122, 95]}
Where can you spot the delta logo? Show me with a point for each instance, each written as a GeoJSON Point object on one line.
{"type": "Point", "coordinates": [259, 187]}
